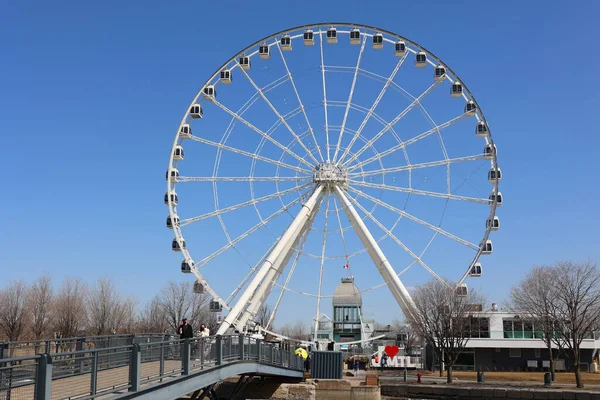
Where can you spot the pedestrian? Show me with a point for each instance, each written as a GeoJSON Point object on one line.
{"type": "Point", "coordinates": [204, 331]}
{"type": "Point", "coordinates": [356, 366]}
{"type": "Point", "coordinates": [185, 330]}
{"type": "Point", "coordinates": [383, 361]}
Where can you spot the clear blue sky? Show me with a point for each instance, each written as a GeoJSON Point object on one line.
{"type": "Point", "coordinates": [91, 94]}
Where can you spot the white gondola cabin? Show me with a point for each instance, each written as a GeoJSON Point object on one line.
{"type": "Point", "coordinates": [309, 37]}
{"type": "Point", "coordinates": [494, 175]}
{"type": "Point", "coordinates": [172, 221]}
{"type": "Point", "coordinates": [462, 290]}
{"type": "Point", "coordinates": [178, 244]}
{"type": "Point", "coordinates": [475, 270]}
{"type": "Point", "coordinates": [244, 62]}
{"type": "Point", "coordinates": [489, 151]}
{"type": "Point", "coordinates": [332, 35]}
{"type": "Point", "coordinates": [172, 175]}
{"type": "Point", "coordinates": [420, 59]}
{"type": "Point", "coordinates": [457, 89]}
{"type": "Point", "coordinates": [210, 92]}
{"type": "Point", "coordinates": [196, 111]}
{"type": "Point", "coordinates": [215, 306]}
{"type": "Point", "coordinates": [470, 108]}
{"type": "Point", "coordinates": [496, 198]}
{"type": "Point", "coordinates": [186, 266]}
{"type": "Point", "coordinates": [439, 74]}
{"type": "Point", "coordinates": [185, 131]}
{"type": "Point", "coordinates": [226, 76]}
{"type": "Point", "coordinates": [199, 287]}
{"type": "Point", "coordinates": [264, 51]}
{"type": "Point", "coordinates": [493, 223]}
{"type": "Point", "coordinates": [378, 41]}
{"type": "Point", "coordinates": [481, 129]}
{"type": "Point", "coordinates": [486, 247]}
{"type": "Point", "coordinates": [355, 36]}
{"type": "Point", "coordinates": [178, 153]}
{"type": "Point", "coordinates": [172, 196]}
{"type": "Point", "coordinates": [400, 48]}
{"type": "Point", "coordinates": [286, 43]}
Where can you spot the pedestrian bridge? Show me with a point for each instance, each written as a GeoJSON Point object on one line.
{"type": "Point", "coordinates": [146, 367]}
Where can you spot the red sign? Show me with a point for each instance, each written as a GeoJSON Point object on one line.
{"type": "Point", "coordinates": [391, 350]}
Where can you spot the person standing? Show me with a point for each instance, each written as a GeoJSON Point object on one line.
{"type": "Point", "coordinates": [185, 330]}
{"type": "Point", "coordinates": [356, 366]}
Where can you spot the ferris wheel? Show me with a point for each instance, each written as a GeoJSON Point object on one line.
{"type": "Point", "coordinates": [329, 148]}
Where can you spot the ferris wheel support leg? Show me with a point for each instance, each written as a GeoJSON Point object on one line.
{"type": "Point", "coordinates": [283, 245]}
{"type": "Point", "coordinates": [261, 294]}
{"type": "Point", "coordinates": [383, 265]}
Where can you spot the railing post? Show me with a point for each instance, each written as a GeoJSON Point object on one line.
{"type": "Point", "coordinates": [185, 357]}
{"type": "Point", "coordinates": [43, 380]}
{"type": "Point", "coordinates": [241, 344]}
{"type": "Point", "coordinates": [259, 344]}
{"type": "Point", "coordinates": [281, 351]}
{"type": "Point", "coordinates": [79, 346]}
{"type": "Point", "coordinates": [161, 362]}
{"type": "Point", "coordinates": [219, 349]}
{"type": "Point", "coordinates": [94, 380]}
{"type": "Point", "coordinates": [134, 368]}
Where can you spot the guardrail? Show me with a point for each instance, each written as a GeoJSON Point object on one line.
{"type": "Point", "coordinates": [88, 374]}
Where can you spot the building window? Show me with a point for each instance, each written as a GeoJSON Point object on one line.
{"type": "Point", "coordinates": [537, 353]}
{"type": "Point", "coordinates": [514, 353]}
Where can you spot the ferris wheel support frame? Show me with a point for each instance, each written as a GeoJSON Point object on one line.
{"type": "Point", "coordinates": [379, 259]}
{"type": "Point", "coordinates": [257, 286]}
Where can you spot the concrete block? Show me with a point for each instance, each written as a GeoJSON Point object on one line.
{"type": "Point", "coordinates": [554, 395]}
{"type": "Point", "coordinates": [450, 391]}
{"type": "Point", "coordinates": [583, 395]}
{"type": "Point", "coordinates": [499, 393]}
{"type": "Point", "coordinates": [487, 393]}
{"type": "Point", "coordinates": [569, 395]}
{"type": "Point", "coordinates": [365, 393]}
{"type": "Point", "coordinates": [513, 394]}
{"type": "Point", "coordinates": [438, 390]}
{"type": "Point", "coordinates": [540, 394]}
{"type": "Point", "coordinates": [332, 384]}
{"type": "Point", "coordinates": [527, 393]}
{"type": "Point", "coordinates": [595, 395]}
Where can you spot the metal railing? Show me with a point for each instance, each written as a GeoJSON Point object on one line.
{"type": "Point", "coordinates": [95, 372]}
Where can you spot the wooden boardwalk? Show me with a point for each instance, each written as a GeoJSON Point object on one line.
{"type": "Point", "coordinates": [80, 386]}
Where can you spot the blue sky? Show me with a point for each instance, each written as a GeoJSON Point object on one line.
{"type": "Point", "coordinates": [92, 94]}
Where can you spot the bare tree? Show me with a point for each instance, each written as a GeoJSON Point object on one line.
{"type": "Point", "coordinates": [130, 317]}
{"type": "Point", "coordinates": [576, 307]}
{"type": "Point", "coordinates": [411, 340]}
{"type": "Point", "coordinates": [533, 299]}
{"type": "Point", "coordinates": [69, 311]}
{"type": "Point", "coordinates": [40, 305]}
{"type": "Point", "coordinates": [297, 330]}
{"type": "Point", "coordinates": [106, 308]}
{"type": "Point", "coordinates": [263, 315]}
{"type": "Point", "coordinates": [442, 319]}
{"type": "Point", "coordinates": [153, 317]}
{"type": "Point", "coordinates": [179, 301]}
{"type": "Point", "coordinates": [13, 310]}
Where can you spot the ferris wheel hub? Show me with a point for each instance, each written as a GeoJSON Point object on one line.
{"type": "Point", "coordinates": [329, 174]}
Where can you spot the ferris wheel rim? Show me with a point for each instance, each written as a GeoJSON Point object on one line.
{"type": "Point", "coordinates": [479, 116]}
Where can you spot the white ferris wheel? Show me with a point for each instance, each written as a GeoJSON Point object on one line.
{"type": "Point", "coordinates": [330, 147]}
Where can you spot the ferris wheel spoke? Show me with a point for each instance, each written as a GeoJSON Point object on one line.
{"type": "Point", "coordinates": [249, 275]}
{"type": "Point", "coordinates": [291, 79]}
{"type": "Point", "coordinates": [323, 246]}
{"type": "Point", "coordinates": [398, 241]}
{"type": "Point", "coordinates": [409, 142]}
{"type": "Point", "coordinates": [260, 132]}
{"type": "Point", "coordinates": [373, 107]}
{"type": "Point", "coordinates": [339, 143]}
{"type": "Point", "coordinates": [411, 167]}
{"type": "Point", "coordinates": [324, 95]}
{"type": "Point", "coordinates": [415, 219]}
{"type": "Point", "coordinates": [254, 156]}
{"type": "Point", "coordinates": [250, 231]}
{"type": "Point", "coordinates": [244, 178]}
{"type": "Point", "coordinates": [279, 116]}
{"type": "Point", "coordinates": [238, 206]}
{"type": "Point", "coordinates": [284, 288]}
{"type": "Point", "coordinates": [486, 202]}
{"type": "Point", "coordinates": [391, 123]}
